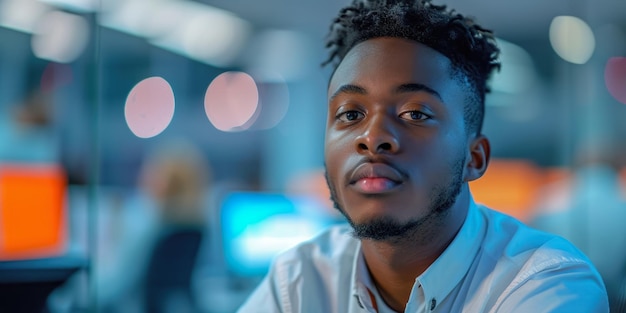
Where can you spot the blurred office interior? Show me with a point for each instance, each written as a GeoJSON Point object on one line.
{"type": "Point", "coordinates": [156, 154]}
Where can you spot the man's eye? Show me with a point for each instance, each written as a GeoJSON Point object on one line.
{"type": "Point", "coordinates": [414, 116]}
{"type": "Point", "coordinates": [350, 116]}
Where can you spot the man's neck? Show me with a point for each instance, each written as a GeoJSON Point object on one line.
{"type": "Point", "coordinates": [394, 266]}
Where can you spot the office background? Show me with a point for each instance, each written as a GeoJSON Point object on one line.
{"type": "Point", "coordinates": [132, 128]}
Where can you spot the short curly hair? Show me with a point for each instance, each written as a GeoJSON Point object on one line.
{"type": "Point", "coordinates": [471, 49]}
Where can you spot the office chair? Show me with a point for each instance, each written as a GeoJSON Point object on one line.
{"type": "Point", "coordinates": [169, 273]}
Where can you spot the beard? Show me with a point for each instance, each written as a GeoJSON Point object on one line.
{"type": "Point", "coordinates": [390, 229]}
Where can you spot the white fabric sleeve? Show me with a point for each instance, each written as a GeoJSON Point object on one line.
{"type": "Point", "coordinates": [266, 296]}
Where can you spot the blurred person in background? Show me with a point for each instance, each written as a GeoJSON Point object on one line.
{"type": "Point", "coordinates": [403, 139]}
{"type": "Point", "coordinates": [590, 210]}
{"type": "Point", "coordinates": [176, 177]}
{"type": "Point", "coordinates": [148, 239]}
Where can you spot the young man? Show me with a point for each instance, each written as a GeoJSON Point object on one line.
{"type": "Point", "coordinates": [403, 139]}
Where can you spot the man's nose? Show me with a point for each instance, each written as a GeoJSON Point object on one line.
{"type": "Point", "coordinates": [379, 136]}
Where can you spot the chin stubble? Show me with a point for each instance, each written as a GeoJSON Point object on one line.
{"type": "Point", "coordinates": [387, 228]}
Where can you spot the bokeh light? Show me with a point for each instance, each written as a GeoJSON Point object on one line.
{"type": "Point", "coordinates": [518, 69]}
{"type": "Point", "coordinates": [22, 15]}
{"type": "Point", "coordinates": [615, 78]}
{"type": "Point", "coordinates": [572, 39]}
{"type": "Point", "coordinates": [149, 107]}
{"type": "Point", "coordinates": [231, 101]}
{"type": "Point", "coordinates": [195, 30]}
{"type": "Point", "coordinates": [60, 37]}
{"type": "Point", "coordinates": [273, 101]}
{"type": "Point", "coordinates": [213, 37]}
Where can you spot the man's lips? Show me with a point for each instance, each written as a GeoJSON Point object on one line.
{"type": "Point", "coordinates": [375, 178]}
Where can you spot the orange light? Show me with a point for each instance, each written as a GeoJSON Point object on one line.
{"type": "Point", "coordinates": [32, 211]}
{"type": "Point", "coordinates": [509, 186]}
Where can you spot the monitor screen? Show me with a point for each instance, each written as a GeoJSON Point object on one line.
{"type": "Point", "coordinates": [257, 226]}
{"type": "Point", "coordinates": [32, 211]}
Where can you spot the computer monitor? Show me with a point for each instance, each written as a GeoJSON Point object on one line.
{"type": "Point", "coordinates": [32, 211]}
{"type": "Point", "coordinates": [256, 226]}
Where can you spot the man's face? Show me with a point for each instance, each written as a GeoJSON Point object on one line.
{"type": "Point", "coordinates": [396, 146]}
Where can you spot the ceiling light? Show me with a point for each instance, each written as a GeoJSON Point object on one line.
{"type": "Point", "coordinates": [572, 39]}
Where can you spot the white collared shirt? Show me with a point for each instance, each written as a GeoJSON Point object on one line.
{"type": "Point", "coordinates": [494, 264]}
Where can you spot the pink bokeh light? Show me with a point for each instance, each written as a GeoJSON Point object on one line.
{"type": "Point", "coordinates": [231, 100]}
{"type": "Point", "coordinates": [615, 78]}
{"type": "Point", "coordinates": [149, 107]}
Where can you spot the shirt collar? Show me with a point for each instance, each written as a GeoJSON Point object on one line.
{"type": "Point", "coordinates": [363, 281]}
{"type": "Point", "coordinates": [453, 264]}
{"type": "Point", "coordinates": [443, 275]}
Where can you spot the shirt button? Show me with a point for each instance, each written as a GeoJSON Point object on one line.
{"type": "Point", "coordinates": [433, 304]}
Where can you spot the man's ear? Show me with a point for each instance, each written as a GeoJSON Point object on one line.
{"type": "Point", "coordinates": [479, 154]}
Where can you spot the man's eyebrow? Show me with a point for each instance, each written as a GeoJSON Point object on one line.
{"type": "Point", "coordinates": [415, 87]}
{"type": "Point", "coordinates": [349, 89]}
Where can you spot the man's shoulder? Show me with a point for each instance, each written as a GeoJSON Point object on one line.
{"type": "Point", "coordinates": [527, 267]}
{"type": "Point", "coordinates": [508, 239]}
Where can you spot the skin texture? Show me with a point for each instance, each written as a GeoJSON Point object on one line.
{"type": "Point", "coordinates": [398, 157]}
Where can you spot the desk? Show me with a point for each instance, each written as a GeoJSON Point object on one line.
{"type": "Point", "coordinates": [26, 284]}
